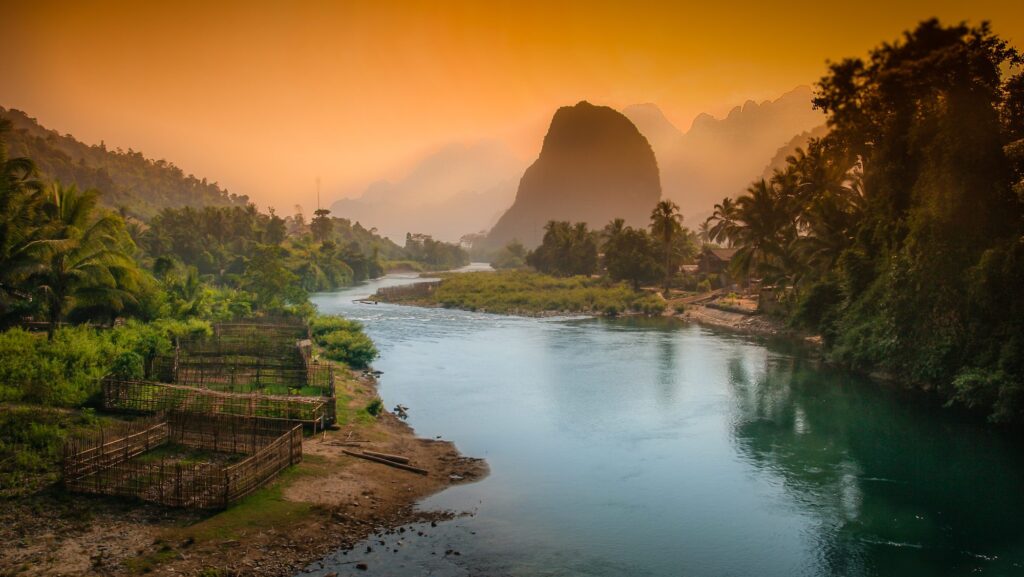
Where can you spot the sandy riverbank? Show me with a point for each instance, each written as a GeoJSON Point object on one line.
{"type": "Point", "coordinates": [751, 324]}
{"type": "Point", "coordinates": [329, 501]}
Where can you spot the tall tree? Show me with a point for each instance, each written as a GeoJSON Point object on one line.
{"type": "Point", "coordinates": [666, 225]}
{"type": "Point", "coordinates": [631, 255]}
{"type": "Point", "coordinates": [321, 225]}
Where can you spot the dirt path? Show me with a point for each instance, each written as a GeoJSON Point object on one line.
{"type": "Point", "coordinates": [327, 502]}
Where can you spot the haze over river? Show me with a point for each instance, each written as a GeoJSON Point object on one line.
{"type": "Point", "coordinates": [651, 447]}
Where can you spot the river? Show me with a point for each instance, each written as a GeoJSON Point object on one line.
{"type": "Point", "coordinates": [652, 447]}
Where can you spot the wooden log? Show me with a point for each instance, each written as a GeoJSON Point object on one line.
{"type": "Point", "coordinates": [395, 458]}
{"type": "Point", "coordinates": [385, 462]}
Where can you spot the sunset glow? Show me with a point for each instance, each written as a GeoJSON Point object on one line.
{"type": "Point", "coordinates": [266, 96]}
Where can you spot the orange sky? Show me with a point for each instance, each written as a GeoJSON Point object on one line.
{"type": "Point", "coordinates": [265, 96]}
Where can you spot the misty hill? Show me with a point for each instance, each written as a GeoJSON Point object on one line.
{"type": "Point", "coordinates": [652, 123]}
{"type": "Point", "coordinates": [720, 157]}
{"type": "Point", "coordinates": [141, 185]}
{"type": "Point", "coordinates": [594, 166]}
{"type": "Point", "coordinates": [459, 189]}
{"type": "Point", "coordinates": [778, 162]}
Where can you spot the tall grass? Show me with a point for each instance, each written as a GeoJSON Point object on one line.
{"type": "Point", "coordinates": [525, 292]}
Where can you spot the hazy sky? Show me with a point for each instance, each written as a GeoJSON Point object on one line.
{"type": "Point", "coordinates": [265, 96]}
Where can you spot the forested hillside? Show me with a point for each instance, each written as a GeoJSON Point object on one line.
{"type": "Point", "coordinates": [126, 179]}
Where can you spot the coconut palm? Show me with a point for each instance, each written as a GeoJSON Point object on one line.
{"type": "Point", "coordinates": [723, 217]}
{"type": "Point", "coordinates": [763, 229]}
{"type": "Point", "coordinates": [78, 260]}
{"type": "Point", "coordinates": [704, 233]}
{"type": "Point", "coordinates": [666, 224]}
{"type": "Point", "coordinates": [612, 230]}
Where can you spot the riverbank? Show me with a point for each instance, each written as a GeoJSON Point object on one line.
{"type": "Point", "coordinates": [750, 324]}
{"type": "Point", "coordinates": [329, 501]}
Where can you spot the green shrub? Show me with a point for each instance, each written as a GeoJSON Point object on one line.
{"type": "Point", "coordinates": [375, 407]}
{"type": "Point", "coordinates": [355, 349]}
{"type": "Point", "coordinates": [128, 365]}
{"type": "Point", "coordinates": [321, 325]}
{"type": "Point", "coordinates": [343, 340]}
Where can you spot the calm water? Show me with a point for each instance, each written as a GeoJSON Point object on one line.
{"type": "Point", "coordinates": [641, 447]}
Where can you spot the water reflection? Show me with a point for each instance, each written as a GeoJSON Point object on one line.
{"type": "Point", "coordinates": [896, 488]}
{"type": "Point", "coordinates": [647, 447]}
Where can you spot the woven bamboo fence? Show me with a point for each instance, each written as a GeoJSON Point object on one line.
{"type": "Point", "coordinates": [110, 461]}
{"type": "Point", "coordinates": [277, 327]}
{"type": "Point", "coordinates": [154, 397]}
{"type": "Point", "coordinates": [409, 291]}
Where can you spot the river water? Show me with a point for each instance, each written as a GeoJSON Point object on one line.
{"type": "Point", "coordinates": [651, 447]}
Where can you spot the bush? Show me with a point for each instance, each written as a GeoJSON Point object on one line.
{"type": "Point", "coordinates": [66, 371]}
{"type": "Point", "coordinates": [321, 325]}
{"type": "Point", "coordinates": [354, 349]}
{"type": "Point", "coordinates": [375, 407]}
{"type": "Point", "coordinates": [343, 340]}
{"type": "Point", "coordinates": [128, 365]}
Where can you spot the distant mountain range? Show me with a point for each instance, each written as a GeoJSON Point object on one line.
{"type": "Point", "coordinates": [721, 157]}
{"type": "Point", "coordinates": [126, 179]}
{"type": "Point", "coordinates": [461, 188]}
{"type": "Point", "coordinates": [464, 188]}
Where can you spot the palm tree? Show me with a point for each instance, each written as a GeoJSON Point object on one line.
{"type": "Point", "coordinates": [764, 230]}
{"type": "Point", "coordinates": [724, 217]}
{"type": "Point", "coordinates": [612, 230]}
{"type": "Point", "coordinates": [704, 233]}
{"type": "Point", "coordinates": [78, 260]}
{"type": "Point", "coordinates": [18, 218]}
{"type": "Point", "coordinates": [666, 223]}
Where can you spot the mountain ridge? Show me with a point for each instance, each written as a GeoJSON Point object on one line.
{"type": "Point", "coordinates": [720, 157]}
{"type": "Point", "coordinates": [126, 180]}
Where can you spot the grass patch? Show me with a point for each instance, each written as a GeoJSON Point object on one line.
{"type": "Point", "coordinates": [266, 507]}
{"type": "Point", "coordinates": [31, 439]}
{"type": "Point", "coordinates": [526, 292]}
{"type": "Point", "coordinates": [150, 562]}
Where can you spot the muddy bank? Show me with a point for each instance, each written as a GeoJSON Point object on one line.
{"type": "Point", "coordinates": [751, 324]}
{"type": "Point", "coordinates": [329, 501]}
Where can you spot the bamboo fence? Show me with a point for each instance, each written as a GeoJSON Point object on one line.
{"type": "Point", "coordinates": [153, 397]}
{"type": "Point", "coordinates": [255, 368]}
{"type": "Point", "coordinates": [110, 461]}
{"type": "Point", "coordinates": [405, 292]}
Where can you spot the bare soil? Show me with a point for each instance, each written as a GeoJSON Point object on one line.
{"type": "Point", "coordinates": [330, 501]}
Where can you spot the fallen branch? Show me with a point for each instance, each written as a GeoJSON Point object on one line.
{"type": "Point", "coordinates": [395, 458]}
{"type": "Point", "coordinates": [402, 466]}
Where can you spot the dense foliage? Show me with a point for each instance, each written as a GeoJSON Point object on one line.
{"type": "Point", "coordinates": [65, 371]}
{"type": "Point", "coordinates": [900, 235]}
{"type": "Point", "coordinates": [437, 255]}
{"type": "Point", "coordinates": [512, 255]}
{"type": "Point", "coordinates": [630, 254]}
{"type": "Point", "coordinates": [625, 253]}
